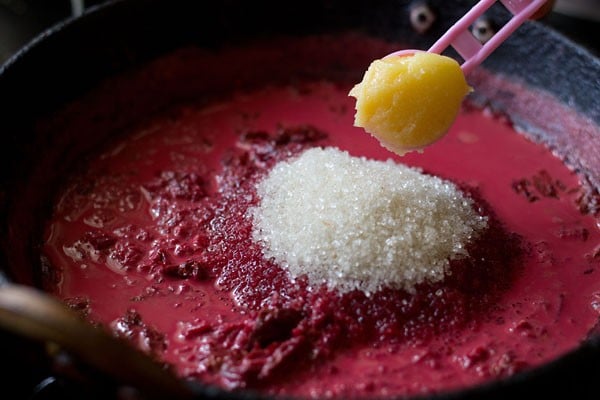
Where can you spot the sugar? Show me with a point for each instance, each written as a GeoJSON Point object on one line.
{"type": "Point", "coordinates": [354, 223]}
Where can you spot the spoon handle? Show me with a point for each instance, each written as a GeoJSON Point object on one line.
{"type": "Point", "coordinates": [469, 48]}
{"type": "Point", "coordinates": [33, 314]}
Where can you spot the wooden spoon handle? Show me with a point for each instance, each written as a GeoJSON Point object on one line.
{"type": "Point", "coordinates": [39, 316]}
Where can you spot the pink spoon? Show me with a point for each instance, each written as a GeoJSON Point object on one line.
{"type": "Point", "coordinates": [463, 41]}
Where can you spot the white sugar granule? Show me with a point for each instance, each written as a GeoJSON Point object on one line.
{"type": "Point", "coordinates": [353, 223]}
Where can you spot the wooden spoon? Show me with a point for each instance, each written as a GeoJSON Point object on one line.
{"type": "Point", "coordinates": [31, 313]}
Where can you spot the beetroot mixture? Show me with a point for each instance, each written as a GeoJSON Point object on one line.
{"type": "Point", "coordinates": [153, 241]}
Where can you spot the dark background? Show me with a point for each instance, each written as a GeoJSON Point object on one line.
{"type": "Point", "coordinates": [22, 20]}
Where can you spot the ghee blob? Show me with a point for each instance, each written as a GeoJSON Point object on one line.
{"type": "Point", "coordinates": [409, 102]}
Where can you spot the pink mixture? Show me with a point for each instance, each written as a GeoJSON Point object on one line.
{"type": "Point", "coordinates": [152, 241]}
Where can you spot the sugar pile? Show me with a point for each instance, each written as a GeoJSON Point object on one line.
{"type": "Point", "coordinates": [352, 223]}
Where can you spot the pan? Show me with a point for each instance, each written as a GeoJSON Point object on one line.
{"type": "Point", "coordinates": [536, 78]}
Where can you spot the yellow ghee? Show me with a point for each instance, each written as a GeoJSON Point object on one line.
{"type": "Point", "coordinates": [409, 102]}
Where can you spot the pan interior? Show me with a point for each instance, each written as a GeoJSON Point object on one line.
{"type": "Point", "coordinates": [179, 144]}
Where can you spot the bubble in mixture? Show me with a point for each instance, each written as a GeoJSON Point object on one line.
{"type": "Point", "coordinates": [353, 223]}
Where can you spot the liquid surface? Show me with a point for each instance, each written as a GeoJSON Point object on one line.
{"type": "Point", "coordinates": [153, 241]}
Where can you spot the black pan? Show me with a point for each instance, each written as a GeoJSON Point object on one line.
{"type": "Point", "coordinates": [535, 67]}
